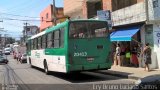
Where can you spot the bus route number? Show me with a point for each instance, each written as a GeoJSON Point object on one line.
{"type": "Point", "coordinates": [80, 54]}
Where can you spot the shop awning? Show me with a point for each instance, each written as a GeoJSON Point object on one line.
{"type": "Point", "coordinates": [124, 34]}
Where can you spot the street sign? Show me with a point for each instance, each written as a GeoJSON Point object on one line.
{"type": "Point", "coordinates": [105, 16]}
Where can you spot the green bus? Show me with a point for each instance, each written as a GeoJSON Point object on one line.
{"type": "Point", "coordinates": [74, 45]}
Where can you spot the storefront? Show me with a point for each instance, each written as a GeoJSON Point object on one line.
{"type": "Point", "coordinates": [129, 39]}
{"type": "Point", "coordinates": [137, 36]}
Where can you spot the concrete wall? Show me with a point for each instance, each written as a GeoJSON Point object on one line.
{"type": "Point", "coordinates": [118, 4]}
{"type": "Point", "coordinates": [154, 11]}
{"type": "Point", "coordinates": [155, 51]}
{"type": "Point", "coordinates": [142, 34]}
{"type": "Point", "coordinates": [73, 8]}
{"type": "Point", "coordinates": [156, 30]}
{"type": "Point", "coordinates": [133, 14]}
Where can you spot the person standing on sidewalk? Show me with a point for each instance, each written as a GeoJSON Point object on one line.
{"type": "Point", "coordinates": [134, 56]}
{"type": "Point", "coordinates": [117, 54]}
{"type": "Point", "coordinates": [147, 56]}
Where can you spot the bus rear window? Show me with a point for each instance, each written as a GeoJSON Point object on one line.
{"type": "Point", "coordinates": [88, 29]}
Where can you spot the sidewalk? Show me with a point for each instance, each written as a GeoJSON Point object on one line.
{"type": "Point", "coordinates": [130, 72]}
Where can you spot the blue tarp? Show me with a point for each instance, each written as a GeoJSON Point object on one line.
{"type": "Point", "coordinates": [124, 34]}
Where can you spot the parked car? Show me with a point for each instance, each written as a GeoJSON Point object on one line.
{"type": "Point", "coordinates": [3, 59]}
{"type": "Point", "coordinates": [7, 51]}
{"type": "Point", "coordinates": [149, 82]}
{"type": "Point", "coordinates": [23, 58]}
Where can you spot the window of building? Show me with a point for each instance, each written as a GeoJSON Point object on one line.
{"type": "Point", "coordinates": [28, 29]}
{"type": "Point", "coordinates": [119, 4]}
{"type": "Point", "coordinates": [42, 19]}
{"type": "Point", "coordinates": [149, 35]}
{"type": "Point", "coordinates": [155, 3]}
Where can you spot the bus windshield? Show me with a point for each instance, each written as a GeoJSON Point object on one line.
{"type": "Point", "coordinates": [88, 29]}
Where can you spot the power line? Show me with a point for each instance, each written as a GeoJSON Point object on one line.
{"type": "Point", "coordinates": [15, 19]}
{"type": "Point", "coordinates": [26, 5]}
{"type": "Point", "coordinates": [18, 15]}
{"type": "Point", "coordinates": [17, 4]}
{"type": "Point", "coordinates": [13, 24]}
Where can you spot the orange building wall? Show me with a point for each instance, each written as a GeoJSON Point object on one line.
{"type": "Point", "coordinates": [44, 23]}
{"type": "Point", "coordinates": [47, 22]}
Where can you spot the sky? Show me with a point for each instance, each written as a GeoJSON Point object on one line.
{"type": "Point", "coordinates": [21, 10]}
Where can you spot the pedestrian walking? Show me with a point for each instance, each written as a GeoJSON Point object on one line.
{"type": "Point", "coordinates": [19, 57]}
{"type": "Point", "coordinates": [147, 56]}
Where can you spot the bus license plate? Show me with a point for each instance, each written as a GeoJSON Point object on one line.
{"type": "Point", "coordinates": [90, 59]}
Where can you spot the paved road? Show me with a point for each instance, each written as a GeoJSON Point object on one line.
{"type": "Point", "coordinates": [35, 79]}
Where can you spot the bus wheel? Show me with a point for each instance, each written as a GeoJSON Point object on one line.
{"type": "Point", "coordinates": [46, 68]}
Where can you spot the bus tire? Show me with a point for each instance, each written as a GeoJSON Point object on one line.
{"type": "Point", "coordinates": [46, 68]}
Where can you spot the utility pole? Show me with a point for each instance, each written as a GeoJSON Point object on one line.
{"type": "Point", "coordinates": [54, 13]}
{"type": "Point", "coordinates": [25, 32]}
{"type": "Point", "coordinates": [5, 39]}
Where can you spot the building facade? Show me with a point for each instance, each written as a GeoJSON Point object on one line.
{"type": "Point", "coordinates": [6, 40]}
{"type": "Point", "coordinates": [50, 18]}
{"type": "Point", "coordinates": [73, 8]}
{"type": "Point", "coordinates": [29, 31]}
{"type": "Point", "coordinates": [144, 14]}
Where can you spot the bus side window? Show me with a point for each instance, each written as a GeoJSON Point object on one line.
{"type": "Point", "coordinates": [62, 31]}
{"type": "Point", "coordinates": [49, 40]}
{"type": "Point", "coordinates": [56, 39]}
{"type": "Point", "coordinates": [53, 39]}
{"type": "Point", "coordinates": [39, 43]}
{"type": "Point", "coordinates": [43, 42]}
{"type": "Point", "coordinates": [32, 44]}
{"type": "Point", "coordinates": [29, 45]}
{"type": "Point", "coordinates": [36, 43]}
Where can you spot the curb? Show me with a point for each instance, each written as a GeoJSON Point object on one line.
{"type": "Point", "coordinates": [114, 73]}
